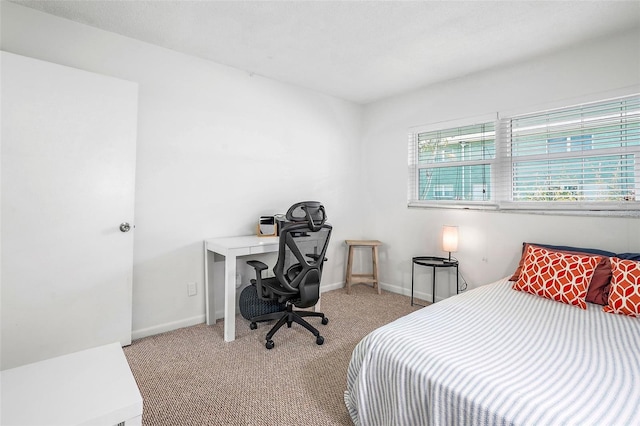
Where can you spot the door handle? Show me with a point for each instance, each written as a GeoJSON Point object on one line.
{"type": "Point", "coordinates": [125, 227]}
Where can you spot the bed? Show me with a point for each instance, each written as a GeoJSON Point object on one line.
{"type": "Point", "coordinates": [495, 356]}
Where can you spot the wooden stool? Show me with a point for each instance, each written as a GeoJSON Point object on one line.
{"type": "Point", "coordinates": [362, 278]}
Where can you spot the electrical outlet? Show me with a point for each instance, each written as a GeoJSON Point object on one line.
{"type": "Point", "coordinates": [192, 289]}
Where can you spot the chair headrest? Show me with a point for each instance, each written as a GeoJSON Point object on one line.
{"type": "Point", "coordinates": [311, 212]}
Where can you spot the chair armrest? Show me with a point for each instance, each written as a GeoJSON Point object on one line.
{"type": "Point", "coordinates": [257, 265]}
{"type": "Point", "coordinates": [315, 257]}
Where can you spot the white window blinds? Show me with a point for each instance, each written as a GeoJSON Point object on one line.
{"type": "Point", "coordinates": [579, 158]}
{"type": "Point", "coordinates": [586, 156]}
{"type": "Point", "coordinates": [453, 165]}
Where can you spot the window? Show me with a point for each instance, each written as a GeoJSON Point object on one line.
{"type": "Point", "coordinates": [453, 164]}
{"type": "Point", "coordinates": [585, 157]}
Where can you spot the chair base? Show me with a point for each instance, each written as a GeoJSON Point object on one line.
{"type": "Point", "coordinates": [289, 317]}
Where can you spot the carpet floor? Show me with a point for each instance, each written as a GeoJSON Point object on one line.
{"type": "Point", "coordinates": [191, 376]}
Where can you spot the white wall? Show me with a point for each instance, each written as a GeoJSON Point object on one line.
{"type": "Point", "coordinates": [216, 149]}
{"type": "Point", "coordinates": [579, 74]}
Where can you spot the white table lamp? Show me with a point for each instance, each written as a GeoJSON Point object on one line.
{"type": "Point", "coordinates": [450, 239]}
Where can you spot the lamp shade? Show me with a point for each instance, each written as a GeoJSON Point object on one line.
{"type": "Point", "coordinates": [449, 238]}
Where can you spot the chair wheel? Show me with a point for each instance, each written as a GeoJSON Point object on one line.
{"type": "Point", "coordinates": [319, 340]}
{"type": "Point", "coordinates": [253, 326]}
{"type": "Point", "coordinates": [325, 321]}
{"type": "Point", "coordinates": [269, 344]}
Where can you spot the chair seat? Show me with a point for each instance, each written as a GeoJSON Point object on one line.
{"type": "Point", "coordinates": [252, 306]}
{"type": "Point", "coordinates": [273, 288]}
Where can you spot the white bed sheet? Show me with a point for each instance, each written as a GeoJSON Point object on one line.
{"type": "Point", "coordinates": [494, 356]}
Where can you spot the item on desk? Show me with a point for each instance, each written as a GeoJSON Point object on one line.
{"type": "Point", "coordinates": [267, 227]}
{"type": "Point", "coordinates": [281, 221]}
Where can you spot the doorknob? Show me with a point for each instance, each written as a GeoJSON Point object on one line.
{"type": "Point", "coordinates": [125, 227]}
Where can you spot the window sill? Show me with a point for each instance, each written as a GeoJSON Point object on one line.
{"type": "Point", "coordinates": [592, 212]}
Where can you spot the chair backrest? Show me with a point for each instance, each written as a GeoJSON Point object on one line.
{"type": "Point", "coordinates": [302, 249]}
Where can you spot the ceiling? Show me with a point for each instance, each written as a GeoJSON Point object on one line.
{"type": "Point", "coordinates": [361, 51]}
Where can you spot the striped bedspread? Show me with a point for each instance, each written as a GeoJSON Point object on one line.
{"type": "Point", "coordinates": [496, 356]}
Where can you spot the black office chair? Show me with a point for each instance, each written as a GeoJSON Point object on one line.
{"type": "Point", "coordinates": [302, 246]}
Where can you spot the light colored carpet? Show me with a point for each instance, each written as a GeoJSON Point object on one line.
{"type": "Point", "coordinates": [192, 377]}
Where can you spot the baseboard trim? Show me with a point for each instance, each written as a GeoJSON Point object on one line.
{"type": "Point", "coordinates": [407, 292]}
{"type": "Point", "coordinates": [392, 288]}
{"type": "Point", "coordinates": [329, 287]}
{"type": "Point", "coordinates": [199, 319]}
{"type": "Point", "coordinates": [169, 326]}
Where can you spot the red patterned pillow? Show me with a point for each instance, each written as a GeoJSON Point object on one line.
{"type": "Point", "coordinates": [624, 296]}
{"type": "Point", "coordinates": [558, 276]}
{"type": "Point", "coordinates": [598, 291]}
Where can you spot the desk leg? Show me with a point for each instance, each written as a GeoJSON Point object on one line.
{"type": "Point", "coordinates": [214, 267]}
{"type": "Point", "coordinates": [209, 307]}
{"type": "Point", "coordinates": [229, 298]}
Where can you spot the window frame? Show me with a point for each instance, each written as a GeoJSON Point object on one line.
{"type": "Point", "coordinates": [415, 166]}
{"type": "Point", "coordinates": [501, 176]}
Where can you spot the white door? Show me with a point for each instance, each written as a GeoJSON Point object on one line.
{"type": "Point", "coordinates": [68, 170]}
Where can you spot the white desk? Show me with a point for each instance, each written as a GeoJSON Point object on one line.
{"type": "Point", "coordinates": [229, 249]}
{"type": "Point", "coordinates": [90, 387]}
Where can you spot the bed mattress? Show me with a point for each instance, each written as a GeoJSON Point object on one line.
{"type": "Point", "coordinates": [493, 356]}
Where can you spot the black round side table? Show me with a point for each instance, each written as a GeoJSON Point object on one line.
{"type": "Point", "coordinates": [433, 262]}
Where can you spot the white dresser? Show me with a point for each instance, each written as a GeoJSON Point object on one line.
{"type": "Point", "coordinates": [90, 387]}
